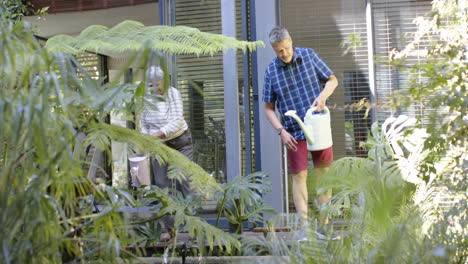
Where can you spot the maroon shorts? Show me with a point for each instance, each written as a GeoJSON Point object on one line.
{"type": "Point", "coordinates": [298, 160]}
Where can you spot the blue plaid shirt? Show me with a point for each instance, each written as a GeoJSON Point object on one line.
{"type": "Point", "coordinates": [294, 86]}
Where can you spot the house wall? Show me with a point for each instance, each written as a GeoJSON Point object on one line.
{"type": "Point", "coordinates": [70, 6]}
{"type": "Point", "coordinates": [72, 23]}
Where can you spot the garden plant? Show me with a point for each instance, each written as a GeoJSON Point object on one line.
{"type": "Point", "coordinates": [390, 201]}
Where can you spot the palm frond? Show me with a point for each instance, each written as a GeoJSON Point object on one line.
{"type": "Point", "coordinates": [241, 199]}
{"type": "Point", "coordinates": [195, 226]}
{"type": "Point", "coordinates": [131, 36]}
{"type": "Point", "coordinates": [248, 188]}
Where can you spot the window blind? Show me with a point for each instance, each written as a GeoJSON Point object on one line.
{"type": "Point", "coordinates": [393, 25]}
{"type": "Point", "coordinates": [89, 61]}
{"type": "Point", "coordinates": [96, 66]}
{"type": "Point", "coordinates": [204, 113]}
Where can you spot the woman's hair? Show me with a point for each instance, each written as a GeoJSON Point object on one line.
{"type": "Point", "coordinates": [154, 73]}
{"type": "Point", "coordinates": [278, 34]}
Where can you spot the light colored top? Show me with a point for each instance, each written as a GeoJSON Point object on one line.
{"type": "Point", "coordinates": [164, 113]}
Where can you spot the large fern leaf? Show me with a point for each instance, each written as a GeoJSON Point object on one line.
{"type": "Point", "coordinates": [129, 36]}
{"type": "Point", "coordinates": [199, 180]}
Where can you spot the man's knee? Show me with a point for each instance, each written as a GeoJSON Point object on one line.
{"type": "Point", "coordinates": [300, 176]}
{"type": "Point", "coordinates": [322, 170]}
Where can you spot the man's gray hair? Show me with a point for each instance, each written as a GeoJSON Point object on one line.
{"type": "Point", "coordinates": [278, 34]}
{"type": "Point", "coordinates": [154, 73]}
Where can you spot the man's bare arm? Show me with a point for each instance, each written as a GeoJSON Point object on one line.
{"type": "Point", "coordinates": [286, 138]}
{"type": "Point", "coordinates": [328, 90]}
{"type": "Point", "coordinates": [271, 115]}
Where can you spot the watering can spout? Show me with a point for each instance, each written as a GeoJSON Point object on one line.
{"type": "Point", "coordinates": [307, 132]}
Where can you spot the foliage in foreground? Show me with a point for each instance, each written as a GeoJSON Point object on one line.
{"type": "Point", "coordinates": [439, 83]}
{"type": "Point", "coordinates": [51, 211]}
{"type": "Point", "coordinates": [390, 214]}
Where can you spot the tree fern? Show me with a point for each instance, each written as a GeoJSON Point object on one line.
{"type": "Point", "coordinates": [130, 36]}
{"type": "Point", "coordinates": [199, 179]}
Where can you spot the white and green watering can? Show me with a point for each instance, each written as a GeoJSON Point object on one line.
{"type": "Point", "coordinates": [316, 127]}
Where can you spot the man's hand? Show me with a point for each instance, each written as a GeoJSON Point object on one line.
{"type": "Point", "coordinates": [288, 140]}
{"type": "Point", "coordinates": [330, 86]}
{"type": "Point", "coordinates": [319, 102]}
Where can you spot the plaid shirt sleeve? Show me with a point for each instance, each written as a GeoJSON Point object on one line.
{"type": "Point", "coordinates": [323, 71]}
{"type": "Point", "coordinates": [269, 95]}
{"type": "Point", "coordinates": [175, 115]}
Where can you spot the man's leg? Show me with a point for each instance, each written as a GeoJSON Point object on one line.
{"type": "Point", "coordinates": [183, 144]}
{"type": "Point", "coordinates": [298, 164]}
{"type": "Point", "coordinates": [300, 195]}
{"type": "Point", "coordinates": [323, 198]}
{"type": "Point", "coordinates": [322, 161]}
{"type": "Point", "coordinates": [325, 229]}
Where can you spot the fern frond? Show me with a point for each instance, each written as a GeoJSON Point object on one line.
{"type": "Point", "coordinates": [131, 36]}
{"type": "Point", "coordinates": [199, 180]}
{"type": "Point", "coordinates": [201, 229]}
{"type": "Point", "coordinates": [66, 44]}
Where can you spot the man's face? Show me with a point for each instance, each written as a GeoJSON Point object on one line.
{"type": "Point", "coordinates": [284, 50]}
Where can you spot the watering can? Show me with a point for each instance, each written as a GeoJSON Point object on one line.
{"type": "Point", "coordinates": [316, 127]}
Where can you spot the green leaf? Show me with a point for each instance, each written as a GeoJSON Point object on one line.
{"type": "Point", "coordinates": [132, 36]}
{"type": "Point", "coordinates": [140, 90]}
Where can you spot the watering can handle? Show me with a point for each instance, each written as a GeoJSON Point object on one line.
{"type": "Point", "coordinates": [313, 108]}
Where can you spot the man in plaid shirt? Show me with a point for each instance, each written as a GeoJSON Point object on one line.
{"type": "Point", "coordinates": [293, 81]}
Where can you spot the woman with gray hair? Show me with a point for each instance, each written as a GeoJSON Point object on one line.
{"type": "Point", "coordinates": [164, 119]}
